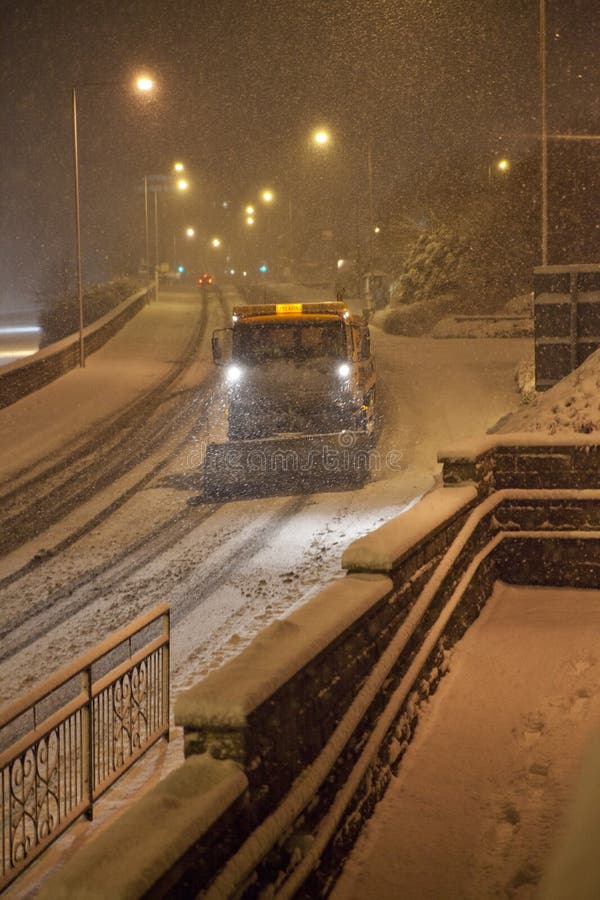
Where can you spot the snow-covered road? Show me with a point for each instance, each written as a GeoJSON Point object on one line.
{"type": "Point", "coordinates": [225, 569]}
{"type": "Point", "coordinates": [129, 538]}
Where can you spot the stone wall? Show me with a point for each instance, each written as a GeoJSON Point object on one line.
{"type": "Point", "coordinates": [28, 375]}
{"type": "Point", "coordinates": [566, 316]}
{"type": "Point", "coordinates": [318, 711]}
{"type": "Point", "coordinates": [524, 461]}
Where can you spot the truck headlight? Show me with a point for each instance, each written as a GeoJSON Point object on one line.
{"type": "Point", "coordinates": [233, 374]}
{"type": "Point", "coordinates": [344, 370]}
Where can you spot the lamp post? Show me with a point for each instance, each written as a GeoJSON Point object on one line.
{"type": "Point", "coordinates": [544, 134]}
{"type": "Point", "coordinates": [321, 137]}
{"type": "Point", "coordinates": [268, 197]}
{"type": "Point", "coordinates": [78, 232]}
{"type": "Point", "coordinates": [189, 233]}
{"type": "Point", "coordinates": [501, 165]}
{"type": "Point", "coordinates": [144, 85]}
{"type": "Point", "coordinates": [182, 184]}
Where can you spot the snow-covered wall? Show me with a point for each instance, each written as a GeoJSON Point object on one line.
{"type": "Point", "coordinates": [566, 320]}
{"type": "Point", "coordinates": [28, 375]}
{"type": "Point", "coordinates": [314, 716]}
{"type": "Point", "coordinates": [527, 460]}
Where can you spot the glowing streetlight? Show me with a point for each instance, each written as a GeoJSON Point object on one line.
{"type": "Point", "coordinates": [501, 166]}
{"type": "Point", "coordinates": [249, 210]}
{"type": "Point", "coordinates": [267, 196]}
{"type": "Point", "coordinates": [182, 184]}
{"type": "Point", "coordinates": [190, 232]}
{"type": "Point", "coordinates": [216, 242]}
{"type": "Point", "coordinates": [144, 84]}
{"type": "Point", "coordinates": [321, 137]}
{"type": "Point", "coordinates": [178, 167]}
{"type": "Point", "coordinates": [249, 220]}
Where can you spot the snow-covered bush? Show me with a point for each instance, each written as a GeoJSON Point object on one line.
{"type": "Point", "coordinates": [482, 328]}
{"type": "Point", "coordinates": [432, 266]}
{"type": "Point", "coordinates": [415, 319]}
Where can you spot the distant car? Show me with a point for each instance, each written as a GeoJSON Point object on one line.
{"type": "Point", "coordinates": [204, 280]}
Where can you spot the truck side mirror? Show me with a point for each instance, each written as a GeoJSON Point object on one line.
{"type": "Point", "coordinates": [222, 346]}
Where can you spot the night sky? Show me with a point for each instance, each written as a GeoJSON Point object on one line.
{"type": "Point", "coordinates": [241, 85]}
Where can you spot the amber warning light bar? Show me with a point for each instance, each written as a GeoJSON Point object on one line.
{"type": "Point", "coordinates": [326, 308]}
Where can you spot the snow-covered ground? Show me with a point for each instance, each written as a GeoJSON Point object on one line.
{"type": "Point", "coordinates": [477, 808]}
{"type": "Point", "coordinates": [133, 539]}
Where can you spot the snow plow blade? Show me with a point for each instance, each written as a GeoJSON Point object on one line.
{"type": "Point", "coordinates": [301, 464]}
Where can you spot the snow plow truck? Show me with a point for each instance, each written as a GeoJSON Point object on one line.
{"type": "Point", "coordinates": [299, 383]}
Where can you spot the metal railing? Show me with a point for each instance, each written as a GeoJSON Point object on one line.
{"type": "Point", "coordinates": [65, 743]}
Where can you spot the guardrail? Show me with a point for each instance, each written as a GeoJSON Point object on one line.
{"type": "Point", "coordinates": [65, 743]}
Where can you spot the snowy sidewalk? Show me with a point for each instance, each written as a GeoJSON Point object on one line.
{"type": "Point", "coordinates": [130, 364]}
{"type": "Point", "coordinates": [480, 797]}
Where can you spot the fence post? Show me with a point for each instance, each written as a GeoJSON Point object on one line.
{"type": "Point", "coordinates": [166, 665]}
{"type": "Point", "coordinates": [87, 743]}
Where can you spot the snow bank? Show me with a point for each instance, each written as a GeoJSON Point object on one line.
{"type": "Point", "coordinates": [230, 693]}
{"type": "Point", "coordinates": [126, 860]}
{"type": "Point", "coordinates": [500, 326]}
{"type": "Point", "coordinates": [571, 406]}
{"type": "Point", "coordinates": [381, 549]}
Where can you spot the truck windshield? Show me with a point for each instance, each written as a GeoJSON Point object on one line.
{"type": "Point", "coordinates": [254, 343]}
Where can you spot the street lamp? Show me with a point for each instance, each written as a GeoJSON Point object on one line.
{"type": "Point", "coordinates": [268, 197]}
{"type": "Point", "coordinates": [143, 84]}
{"type": "Point", "coordinates": [189, 233]}
{"type": "Point", "coordinates": [216, 242]}
{"type": "Point", "coordinates": [321, 137]}
{"type": "Point", "coordinates": [500, 165]}
{"type": "Point", "coordinates": [182, 185]}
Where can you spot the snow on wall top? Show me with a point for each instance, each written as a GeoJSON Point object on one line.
{"type": "Point", "coordinates": [227, 695]}
{"type": "Point", "coordinates": [572, 406]}
{"type": "Point", "coordinates": [126, 859]}
{"type": "Point", "coordinates": [574, 267]}
{"type": "Point", "coordinates": [474, 448]}
{"type": "Point", "coordinates": [380, 550]}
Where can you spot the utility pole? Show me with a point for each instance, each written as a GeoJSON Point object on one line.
{"type": "Point", "coordinates": [371, 212]}
{"type": "Point", "coordinates": [544, 133]}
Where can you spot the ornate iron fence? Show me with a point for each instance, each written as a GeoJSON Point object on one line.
{"type": "Point", "coordinates": [66, 742]}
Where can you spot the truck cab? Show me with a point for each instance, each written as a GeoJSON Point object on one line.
{"type": "Point", "coordinates": [296, 368]}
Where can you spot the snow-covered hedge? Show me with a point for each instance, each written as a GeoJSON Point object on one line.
{"type": "Point", "coordinates": [501, 326]}
{"type": "Point", "coordinates": [416, 319]}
